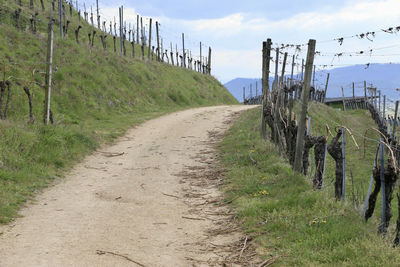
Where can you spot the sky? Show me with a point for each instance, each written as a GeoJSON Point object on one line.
{"type": "Point", "coordinates": [235, 30]}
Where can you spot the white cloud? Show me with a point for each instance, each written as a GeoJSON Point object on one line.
{"type": "Point", "coordinates": [236, 39]}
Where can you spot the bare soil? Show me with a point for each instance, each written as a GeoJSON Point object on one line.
{"type": "Point", "coordinates": [151, 199]}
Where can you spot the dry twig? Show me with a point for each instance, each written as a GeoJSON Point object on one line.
{"type": "Point", "coordinates": [102, 252]}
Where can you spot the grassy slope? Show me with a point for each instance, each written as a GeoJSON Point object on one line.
{"type": "Point", "coordinates": [97, 95]}
{"type": "Point", "coordinates": [293, 223]}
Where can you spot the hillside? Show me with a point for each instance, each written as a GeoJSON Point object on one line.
{"type": "Point", "coordinates": [97, 95]}
{"type": "Point", "coordinates": [292, 224]}
{"type": "Point", "coordinates": [384, 76]}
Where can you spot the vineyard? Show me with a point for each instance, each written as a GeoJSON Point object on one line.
{"type": "Point", "coordinates": [96, 95]}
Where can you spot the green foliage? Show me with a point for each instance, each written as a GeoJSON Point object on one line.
{"type": "Point", "coordinates": [97, 95]}
{"type": "Point", "coordinates": [289, 220]}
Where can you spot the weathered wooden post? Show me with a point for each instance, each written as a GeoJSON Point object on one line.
{"type": "Point", "coordinates": [324, 167]}
{"type": "Point", "coordinates": [291, 73]}
{"type": "Point", "coordinates": [91, 15]}
{"type": "Point", "coordinates": [313, 82]}
{"type": "Point", "coordinates": [150, 26]}
{"type": "Point", "coordinates": [326, 87]}
{"type": "Point", "coordinates": [365, 94]}
{"type": "Point", "coordinates": [49, 74]}
{"type": "Point", "coordinates": [120, 30]}
{"type": "Point", "coordinates": [275, 84]}
{"type": "Point", "coordinates": [183, 50]}
{"type": "Point", "coordinates": [209, 60]}
{"type": "Point", "coordinates": [395, 120]}
{"type": "Point", "coordinates": [344, 163]}
{"type": "Point", "coordinates": [383, 185]}
{"type": "Point", "coordinates": [244, 94]}
{"type": "Point", "coordinates": [201, 54]}
{"type": "Point", "coordinates": [158, 42]}
{"type": "Point", "coordinates": [369, 189]}
{"type": "Point", "coordinates": [60, 13]}
{"type": "Point", "coordinates": [384, 107]}
{"type": "Point", "coordinates": [278, 104]}
{"type": "Point", "coordinates": [343, 100]}
{"type": "Point", "coordinates": [379, 107]}
{"type": "Point", "coordinates": [304, 106]}
{"type": "Point", "coordinates": [98, 15]}
{"type": "Point", "coordinates": [142, 36]}
{"type": "Point", "coordinates": [137, 30]}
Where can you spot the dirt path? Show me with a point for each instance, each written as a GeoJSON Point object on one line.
{"type": "Point", "coordinates": [155, 204]}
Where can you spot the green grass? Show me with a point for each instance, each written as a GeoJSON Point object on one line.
{"type": "Point", "coordinates": [97, 95]}
{"type": "Point", "coordinates": [291, 221]}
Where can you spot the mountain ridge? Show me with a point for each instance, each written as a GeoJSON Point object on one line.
{"type": "Point", "coordinates": [384, 77]}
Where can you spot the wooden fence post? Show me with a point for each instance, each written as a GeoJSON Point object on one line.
{"type": "Point", "coordinates": [275, 84]}
{"type": "Point", "coordinates": [201, 54]}
{"type": "Point", "coordinates": [369, 189]}
{"type": "Point", "coordinates": [291, 73]}
{"type": "Point", "coordinates": [183, 50]}
{"type": "Point", "coordinates": [304, 107]}
{"type": "Point", "coordinates": [60, 12]}
{"type": "Point", "coordinates": [344, 102]}
{"type": "Point", "coordinates": [120, 30]}
{"type": "Point", "coordinates": [395, 120]}
{"type": "Point", "coordinates": [49, 74]}
{"type": "Point", "coordinates": [308, 126]}
{"type": "Point", "coordinates": [137, 29]}
{"type": "Point", "coordinates": [383, 185]}
{"type": "Point", "coordinates": [209, 60]}
{"type": "Point", "coordinates": [326, 87]}
{"type": "Point", "coordinates": [98, 15]}
{"type": "Point", "coordinates": [150, 26]}
{"type": "Point", "coordinates": [379, 106]}
{"type": "Point", "coordinates": [158, 42]}
{"type": "Point", "coordinates": [384, 107]}
{"type": "Point", "coordinates": [344, 163]}
{"type": "Point", "coordinates": [264, 86]}
{"type": "Point", "coordinates": [365, 94]}
{"type": "Point", "coordinates": [323, 169]}
{"type": "Point", "coordinates": [278, 104]}
{"type": "Point", "coordinates": [313, 82]}
{"type": "Point", "coordinates": [142, 36]}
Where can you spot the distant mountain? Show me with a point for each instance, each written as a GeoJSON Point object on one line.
{"type": "Point", "coordinates": [386, 77]}
{"type": "Point", "coordinates": [236, 87]}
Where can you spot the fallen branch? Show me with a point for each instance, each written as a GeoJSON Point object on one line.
{"type": "Point", "coordinates": [244, 247]}
{"type": "Point", "coordinates": [190, 218]}
{"type": "Point", "coordinates": [111, 154]}
{"type": "Point", "coordinates": [170, 195]}
{"type": "Point", "coordinates": [102, 252]}
{"type": "Point", "coordinates": [269, 261]}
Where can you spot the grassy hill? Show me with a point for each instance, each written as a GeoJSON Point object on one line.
{"type": "Point", "coordinates": [292, 224]}
{"type": "Point", "coordinates": [97, 95]}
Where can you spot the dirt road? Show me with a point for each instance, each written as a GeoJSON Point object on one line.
{"type": "Point", "coordinates": [148, 200]}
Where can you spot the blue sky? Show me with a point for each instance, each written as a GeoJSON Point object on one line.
{"type": "Point", "coordinates": [235, 29]}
